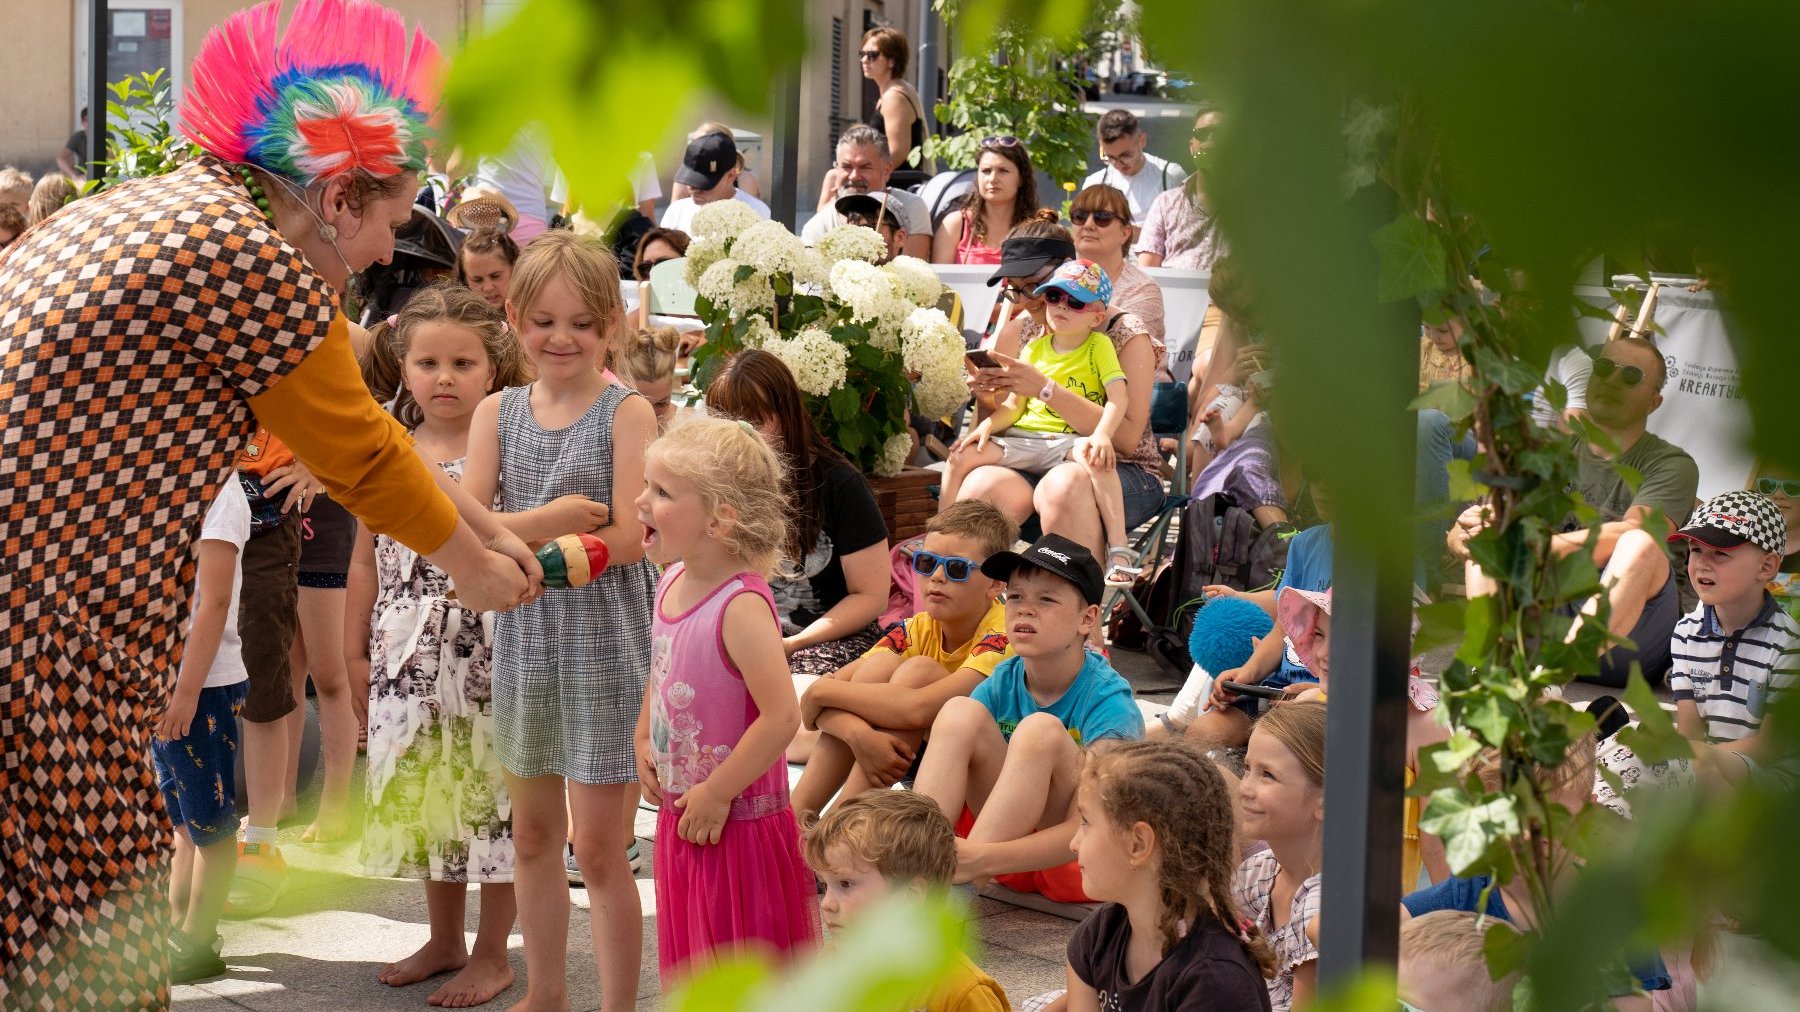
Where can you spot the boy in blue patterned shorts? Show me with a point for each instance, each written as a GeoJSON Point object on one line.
{"type": "Point", "coordinates": [196, 743]}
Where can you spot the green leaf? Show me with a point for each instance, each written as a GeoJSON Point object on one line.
{"type": "Point", "coordinates": [1506, 948]}
{"type": "Point", "coordinates": [1440, 623]}
{"type": "Point", "coordinates": [1413, 261]}
{"type": "Point", "coordinates": [1490, 719]}
{"type": "Point", "coordinates": [1654, 739]}
{"type": "Point", "coordinates": [1470, 830]}
{"type": "Point", "coordinates": [1451, 398]}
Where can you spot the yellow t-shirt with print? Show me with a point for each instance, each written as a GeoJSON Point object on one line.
{"type": "Point", "coordinates": [1086, 370]}
{"type": "Point", "coordinates": [923, 636]}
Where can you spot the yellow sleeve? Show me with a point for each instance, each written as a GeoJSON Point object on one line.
{"type": "Point", "coordinates": [324, 413]}
{"type": "Point", "coordinates": [990, 646]}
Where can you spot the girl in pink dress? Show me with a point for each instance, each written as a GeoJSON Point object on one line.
{"type": "Point", "coordinates": [720, 708]}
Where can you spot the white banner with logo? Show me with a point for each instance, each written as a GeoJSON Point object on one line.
{"type": "Point", "coordinates": [1703, 409]}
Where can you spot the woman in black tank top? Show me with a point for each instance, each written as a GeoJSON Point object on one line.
{"type": "Point", "coordinates": [884, 56]}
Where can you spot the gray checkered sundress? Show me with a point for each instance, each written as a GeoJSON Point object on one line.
{"type": "Point", "coordinates": [569, 669]}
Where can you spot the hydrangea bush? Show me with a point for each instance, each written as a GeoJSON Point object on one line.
{"type": "Point", "coordinates": [866, 343]}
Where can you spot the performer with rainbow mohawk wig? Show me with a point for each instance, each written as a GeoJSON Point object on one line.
{"type": "Point", "coordinates": [140, 329]}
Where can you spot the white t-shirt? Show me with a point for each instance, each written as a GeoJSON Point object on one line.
{"type": "Point", "coordinates": [1141, 190]}
{"type": "Point", "coordinates": [228, 520]}
{"type": "Point", "coordinates": [680, 215]}
{"type": "Point", "coordinates": [906, 206]}
{"type": "Point", "coordinates": [1570, 366]}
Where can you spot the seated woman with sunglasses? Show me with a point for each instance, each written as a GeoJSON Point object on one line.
{"type": "Point", "coordinates": [1005, 195]}
{"type": "Point", "coordinates": [1100, 221]}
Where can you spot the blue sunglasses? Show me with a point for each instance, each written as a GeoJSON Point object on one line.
{"type": "Point", "coordinates": [956, 568]}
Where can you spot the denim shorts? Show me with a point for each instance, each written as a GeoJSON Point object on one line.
{"type": "Point", "coordinates": [198, 774]}
{"type": "Point", "coordinates": [1144, 492]}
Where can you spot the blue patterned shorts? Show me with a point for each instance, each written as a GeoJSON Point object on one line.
{"type": "Point", "coordinates": [198, 774]}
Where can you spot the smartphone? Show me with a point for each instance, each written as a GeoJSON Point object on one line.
{"type": "Point", "coordinates": [1248, 689]}
{"type": "Point", "coordinates": [981, 358]}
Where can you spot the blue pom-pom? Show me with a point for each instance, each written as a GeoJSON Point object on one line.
{"type": "Point", "coordinates": [1223, 630]}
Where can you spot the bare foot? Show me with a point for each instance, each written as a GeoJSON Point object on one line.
{"type": "Point", "coordinates": [477, 984]}
{"type": "Point", "coordinates": [532, 1003]}
{"type": "Point", "coordinates": [327, 827]}
{"type": "Point", "coordinates": [431, 960]}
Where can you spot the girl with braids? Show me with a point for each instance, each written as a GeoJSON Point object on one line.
{"type": "Point", "coordinates": [1282, 802]}
{"type": "Point", "coordinates": [1157, 844]}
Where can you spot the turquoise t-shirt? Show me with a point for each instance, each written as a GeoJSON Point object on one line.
{"type": "Point", "coordinates": [1097, 705]}
{"type": "Point", "coordinates": [1086, 371]}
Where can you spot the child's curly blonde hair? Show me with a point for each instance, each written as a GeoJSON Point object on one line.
{"type": "Point", "coordinates": [730, 466]}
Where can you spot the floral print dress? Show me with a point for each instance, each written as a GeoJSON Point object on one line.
{"type": "Point", "coordinates": [437, 803]}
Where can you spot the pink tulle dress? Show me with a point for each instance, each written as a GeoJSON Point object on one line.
{"type": "Point", "coordinates": [751, 889]}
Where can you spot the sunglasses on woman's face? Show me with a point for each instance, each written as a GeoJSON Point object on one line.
{"type": "Point", "coordinates": [644, 267]}
{"type": "Point", "coordinates": [1788, 488]}
{"type": "Point", "coordinates": [956, 568]}
{"type": "Point", "coordinates": [1057, 297]}
{"type": "Point", "coordinates": [1019, 289]}
{"type": "Point", "coordinates": [1630, 375]}
{"type": "Point", "coordinates": [1000, 141]}
{"type": "Point", "coordinates": [1100, 218]}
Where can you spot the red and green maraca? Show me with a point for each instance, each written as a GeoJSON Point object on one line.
{"type": "Point", "coordinates": [572, 560]}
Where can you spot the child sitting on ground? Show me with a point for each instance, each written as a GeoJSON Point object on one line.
{"type": "Point", "coordinates": [873, 713]}
{"type": "Point", "coordinates": [1076, 359]}
{"type": "Point", "coordinates": [878, 843]}
{"type": "Point", "coordinates": [1008, 757]}
{"type": "Point", "coordinates": [1157, 844]}
{"type": "Point", "coordinates": [1282, 802]}
{"type": "Point", "coordinates": [196, 742]}
{"type": "Point", "coordinates": [1738, 650]}
{"type": "Point", "coordinates": [1442, 965]}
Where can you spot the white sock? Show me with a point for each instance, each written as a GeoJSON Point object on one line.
{"type": "Point", "coordinates": [260, 834]}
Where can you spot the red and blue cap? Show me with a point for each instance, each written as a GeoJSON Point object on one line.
{"type": "Point", "coordinates": [1081, 279]}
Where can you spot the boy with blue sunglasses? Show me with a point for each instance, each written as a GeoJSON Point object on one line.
{"type": "Point", "coordinates": [872, 714]}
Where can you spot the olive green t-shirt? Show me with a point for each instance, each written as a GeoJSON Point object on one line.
{"type": "Point", "coordinates": [1671, 482]}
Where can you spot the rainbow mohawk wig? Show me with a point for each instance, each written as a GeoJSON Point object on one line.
{"type": "Point", "coordinates": [340, 92]}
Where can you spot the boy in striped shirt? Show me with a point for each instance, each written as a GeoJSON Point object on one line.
{"type": "Point", "coordinates": [1737, 651]}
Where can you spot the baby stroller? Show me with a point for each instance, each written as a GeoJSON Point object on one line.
{"type": "Point", "coordinates": [425, 252]}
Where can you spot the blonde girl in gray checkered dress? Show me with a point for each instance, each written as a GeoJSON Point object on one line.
{"type": "Point", "coordinates": [569, 668]}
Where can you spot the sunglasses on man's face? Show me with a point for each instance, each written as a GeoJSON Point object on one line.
{"type": "Point", "coordinates": [1788, 488]}
{"type": "Point", "coordinates": [1057, 297]}
{"type": "Point", "coordinates": [1100, 218]}
{"type": "Point", "coordinates": [956, 568]}
{"type": "Point", "coordinates": [1630, 375]}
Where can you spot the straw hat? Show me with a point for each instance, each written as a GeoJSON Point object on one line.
{"type": "Point", "coordinates": [481, 207]}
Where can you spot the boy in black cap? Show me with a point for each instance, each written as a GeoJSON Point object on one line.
{"type": "Point", "coordinates": [1005, 760]}
{"type": "Point", "coordinates": [709, 169]}
{"type": "Point", "coordinates": [1737, 651]}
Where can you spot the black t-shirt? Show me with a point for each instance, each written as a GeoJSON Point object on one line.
{"type": "Point", "coordinates": [77, 143]}
{"type": "Point", "coordinates": [849, 521]}
{"type": "Point", "coordinates": [1207, 970]}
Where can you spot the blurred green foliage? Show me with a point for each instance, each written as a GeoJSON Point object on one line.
{"type": "Point", "coordinates": [141, 136]}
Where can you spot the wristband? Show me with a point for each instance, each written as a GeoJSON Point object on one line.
{"type": "Point", "coordinates": [1048, 392]}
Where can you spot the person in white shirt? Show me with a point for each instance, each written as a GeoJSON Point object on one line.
{"type": "Point", "coordinates": [863, 168]}
{"type": "Point", "coordinates": [522, 174]}
{"type": "Point", "coordinates": [709, 168]}
{"type": "Point", "coordinates": [1129, 168]}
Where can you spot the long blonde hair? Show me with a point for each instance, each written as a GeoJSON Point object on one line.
{"type": "Point", "coordinates": [730, 465]}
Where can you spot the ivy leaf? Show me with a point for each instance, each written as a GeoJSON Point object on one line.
{"type": "Point", "coordinates": [1413, 260]}
{"type": "Point", "coordinates": [1489, 719]}
{"type": "Point", "coordinates": [1440, 623]}
{"type": "Point", "coordinates": [1654, 739]}
{"type": "Point", "coordinates": [1451, 398]}
{"type": "Point", "coordinates": [1507, 948]}
{"type": "Point", "coordinates": [1469, 829]}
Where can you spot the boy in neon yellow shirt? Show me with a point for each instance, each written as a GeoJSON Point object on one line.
{"type": "Point", "coordinates": [1076, 360]}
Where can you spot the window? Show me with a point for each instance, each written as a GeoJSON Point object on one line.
{"type": "Point", "coordinates": [142, 36]}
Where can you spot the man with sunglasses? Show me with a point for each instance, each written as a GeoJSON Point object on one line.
{"type": "Point", "coordinates": [873, 713]}
{"type": "Point", "coordinates": [1640, 491]}
{"type": "Point", "coordinates": [863, 168]}
{"type": "Point", "coordinates": [1128, 167]}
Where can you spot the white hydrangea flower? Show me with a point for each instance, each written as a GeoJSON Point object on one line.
{"type": "Point", "coordinates": [813, 270]}
{"type": "Point", "coordinates": [819, 364]}
{"type": "Point", "coordinates": [852, 242]}
{"type": "Point", "coordinates": [873, 295]}
{"type": "Point", "coordinates": [769, 247]}
{"type": "Point", "coordinates": [928, 340]}
{"type": "Point", "coordinates": [939, 392]}
{"type": "Point", "coordinates": [719, 285]}
{"type": "Point", "coordinates": [723, 219]}
{"type": "Point", "coordinates": [702, 253]}
{"type": "Point", "coordinates": [894, 454]}
{"type": "Point", "coordinates": [917, 280]}
{"type": "Point", "coordinates": [758, 333]}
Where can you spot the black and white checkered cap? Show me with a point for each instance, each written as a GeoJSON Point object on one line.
{"type": "Point", "coordinates": [1737, 518]}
